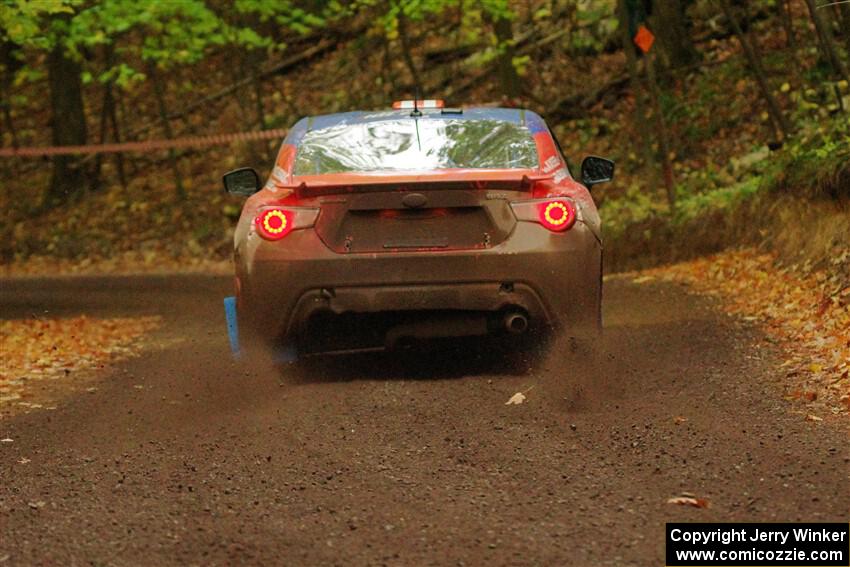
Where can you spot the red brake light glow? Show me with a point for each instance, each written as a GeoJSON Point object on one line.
{"type": "Point", "coordinates": [557, 216]}
{"type": "Point", "coordinates": [274, 224]}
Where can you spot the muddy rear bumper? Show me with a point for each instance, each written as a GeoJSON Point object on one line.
{"type": "Point", "coordinates": [554, 277]}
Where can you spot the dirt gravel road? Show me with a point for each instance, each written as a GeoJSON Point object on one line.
{"type": "Point", "coordinates": [182, 457]}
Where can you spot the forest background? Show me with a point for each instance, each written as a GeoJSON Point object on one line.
{"type": "Point", "coordinates": [734, 128]}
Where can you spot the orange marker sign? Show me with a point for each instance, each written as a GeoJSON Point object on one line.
{"type": "Point", "coordinates": [644, 39]}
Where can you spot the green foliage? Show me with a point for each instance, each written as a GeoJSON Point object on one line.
{"type": "Point", "coordinates": [285, 13]}
{"type": "Point", "coordinates": [122, 75]}
{"type": "Point", "coordinates": [595, 22]}
{"type": "Point", "coordinates": [415, 10]}
{"type": "Point", "coordinates": [28, 75]}
{"type": "Point", "coordinates": [165, 33]}
{"type": "Point", "coordinates": [818, 160]}
{"type": "Point", "coordinates": [813, 165]}
{"type": "Point", "coordinates": [498, 9]}
{"type": "Point", "coordinates": [719, 200]}
{"type": "Point", "coordinates": [639, 211]}
{"type": "Point", "coordinates": [632, 209]}
{"type": "Point", "coordinates": [22, 21]}
{"type": "Point", "coordinates": [521, 64]}
{"type": "Point", "coordinates": [475, 21]}
{"type": "Point", "coordinates": [173, 33]}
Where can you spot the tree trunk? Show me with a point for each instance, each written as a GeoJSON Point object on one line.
{"type": "Point", "coordinates": [119, 125]}
{"type": "Point", "coordinates": [670, 23]}
{"type": "Point", "coordinates": [108, 117]}
{"type": "Point", "coordinates": [101, 139]}
{"type": "Point", "coordinates": [68, 125]}
{"type": "Point", "coordinates": [508, 77]}
{"type": "Point", "coordinates": [661, 130]}
{"type": "Point", "coordinates": [788, 24]}
{"type": "Point", "coordinates": [780, 124]}
{"type": "Point", "coordinates": [116, 137]}
{"type": "Point", "coordinates": [827, 42]}
{"type": "Point", "coordinates": [112, 115]}
{"type": "Point", "coordinates": [270, 146]}
{"type": "Point", "coordinates": [10, 67]}
{"type": "Point", "coordinates": [639, 117]}
{"type": "Point", "coordinates": [8, 123]}
{"type": "Point", "coordinates": [255, 153]}
{"type": "Point", "coordinates": [407, 56]}
{"type": "Point", "coordinates": [159, 94]}
{"type": "Point", "coordinates": [844, 10]}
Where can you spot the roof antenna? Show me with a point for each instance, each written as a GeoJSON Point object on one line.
{"type": "Point", "coordinates": [415, 115]}
{"type": "Point", "coordinates": [416, 111]}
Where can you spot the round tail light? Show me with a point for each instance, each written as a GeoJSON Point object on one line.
{"type": "Point", "coordinates": [274, 223]}
{"type": "Point", "coordinates": [557, 215]}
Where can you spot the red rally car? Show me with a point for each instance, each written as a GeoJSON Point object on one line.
{"type": "Point", "coordinates": [379, 228]}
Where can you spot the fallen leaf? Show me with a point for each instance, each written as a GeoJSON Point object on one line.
{"type": "Point", "coordinates": [39, 349]}
{"type": "Point", "coordinates": [680, 419]}
{"type": "Point", "coordinates": [516, 399]}
{"type": "Point", "coordinates": [800, 310]}
{"type": "Point", "coordinates": [689, 501]}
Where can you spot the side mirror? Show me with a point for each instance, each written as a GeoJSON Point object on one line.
{"type": "Point", "coordinates": [595, 170]}
{"type": "Point", "coordinates": [243, 181]}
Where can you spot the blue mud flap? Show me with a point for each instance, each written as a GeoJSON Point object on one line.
{"type": "Point", "coordinates": [283, 355]}
{"type": "Point", "coordinates": [232, 325]}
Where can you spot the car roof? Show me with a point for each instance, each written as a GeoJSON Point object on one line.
{"type": "Point", "coordinates": [518, 116]}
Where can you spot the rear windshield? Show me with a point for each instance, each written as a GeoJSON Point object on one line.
{"type": "Point", "coordinates": [416, 144]}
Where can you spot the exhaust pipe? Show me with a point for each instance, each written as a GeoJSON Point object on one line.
{"type": "Point", "coordinates": [515, 323]}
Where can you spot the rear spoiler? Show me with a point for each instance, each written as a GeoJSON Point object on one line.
{"type": "Point", "coordinates": [524, 183]}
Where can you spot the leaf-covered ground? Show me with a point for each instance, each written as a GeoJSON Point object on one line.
{"type": "Point", "coordinates": [38, 351]}
{"type": "Point", "coordinates": [808, 316]}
